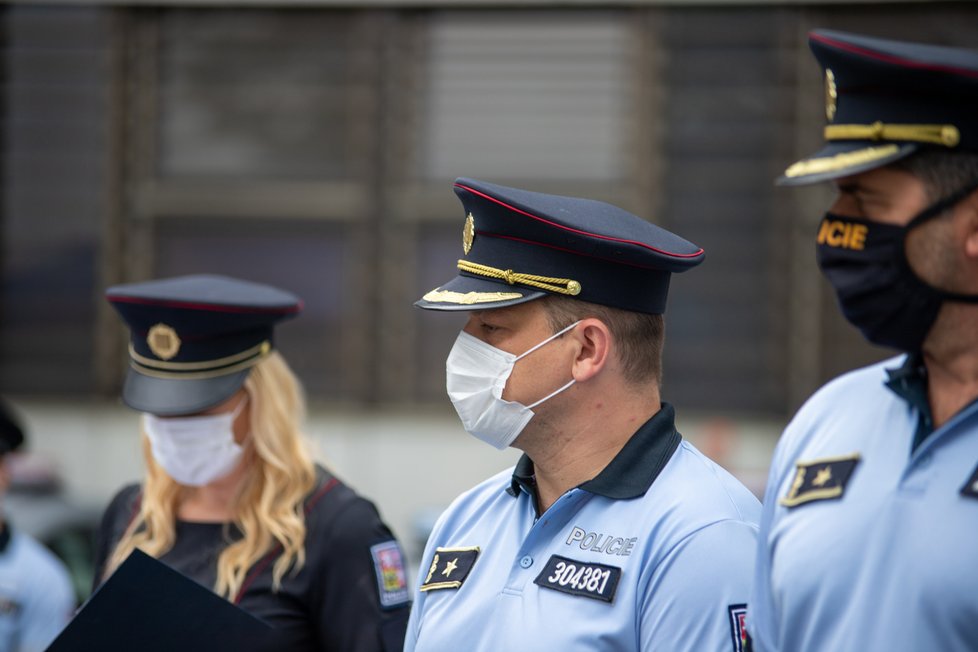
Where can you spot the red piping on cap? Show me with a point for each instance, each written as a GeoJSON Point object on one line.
{"type": "Point", "coordinates": [890, 58]}
{"type": "Point", "coordinates": [577, 231]}
{"type": "Point", "coordinates": [203, 306]}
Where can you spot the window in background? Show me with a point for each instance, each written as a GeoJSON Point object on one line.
{"type": "Point", "coordinates": [314, 148]}
{"type": "Point", "coordinates": [525, 95]}
{"type": "Point", "coordinates": [263, 95]}
{"type": "Point", "coordinates": [259, 163]}
{"type": "Point", "coordinates": [727, 108]}
{"type": "Point", "coordinates": [54, 175]}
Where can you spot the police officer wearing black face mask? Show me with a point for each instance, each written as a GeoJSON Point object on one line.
{"type": "Point", "coordinates": [867, 535]}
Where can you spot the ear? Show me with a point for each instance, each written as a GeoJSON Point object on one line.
{"type": "Point", "coordinates": [970, 225]}
{"type": "Point", "coordinates": [595, 341]}
{"type": "Point", "coordinates": [4, 475]}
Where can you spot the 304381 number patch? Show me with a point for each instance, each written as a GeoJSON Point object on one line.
{"type": "Point", "coordinates": [587, 579]}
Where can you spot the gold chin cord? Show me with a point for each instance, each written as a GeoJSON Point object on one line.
{"type": "Point", "coordinates": [548, 283]}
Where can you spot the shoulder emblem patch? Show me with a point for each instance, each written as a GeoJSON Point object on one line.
{"type": "Point", "coordinates": [449, 568]}
{"type": "Point", "coordinates": [9, 606]}
{"type": "Point", "coordinates": [738, 627]}
{"type": "Point", "coordinates": [391, 578]}
{"type": "Point", "coordinates": [821, 479]}
{"type": "Point", "coordinates": [586, 579]}
{"type": "Point", "coordinates": [970, 488]}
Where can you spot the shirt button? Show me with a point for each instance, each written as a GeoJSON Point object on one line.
{"type": "Point", "coordinates": [526, 562]}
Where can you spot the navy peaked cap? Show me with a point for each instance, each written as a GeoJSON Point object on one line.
{"type": "Point", "coordinates": [195, 338]}
{"type": "Point", "coordinates": [884, 100]}
{"type": "Point", "coordinates": [519, 246]}
{"type": "Point", "coordinates": [11, 434]}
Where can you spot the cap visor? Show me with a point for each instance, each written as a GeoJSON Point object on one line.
{"type": "Point", "coordinates": [469, 293]}
{"type": "Point", "coordinates": [171, 397]}
{"type": "Point", "coordinates": [842, 159]}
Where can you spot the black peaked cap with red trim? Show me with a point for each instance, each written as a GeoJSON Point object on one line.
{"type": "Point", "coordinates": [194, 339]}
{"type": "Point", "coordinates": [885, 100]}
{"type": "Point", "coordinates": [519, 245]}
{"type": "Point", "coordinates": [11, 434]}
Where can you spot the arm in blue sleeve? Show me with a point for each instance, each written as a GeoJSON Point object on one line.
{"type": "Point", "coordinates": [48, 606]}
{"type": "Point", "coordinates": [761, 613]}
{"type": "Point", "coordinates": [689, 601]}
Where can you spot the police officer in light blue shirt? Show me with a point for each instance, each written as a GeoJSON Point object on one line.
{"type": "Point", "coordinates": [36, 595]}
{"type": "Point", "coordinates": [611, 533]}
{"type": "Point", "coordinates": [871, 513]}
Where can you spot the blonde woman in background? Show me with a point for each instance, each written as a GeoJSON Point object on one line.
{"type": "Point", "coordinates": [231, 497]}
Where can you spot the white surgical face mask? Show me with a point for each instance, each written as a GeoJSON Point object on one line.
{"type": "Point", "coordinates": [476, 375]}
{"type": "Point", "coordinates": [195, 451]}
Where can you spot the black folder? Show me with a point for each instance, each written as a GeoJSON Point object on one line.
{"type": "Point", "coordinates": [146, 606]}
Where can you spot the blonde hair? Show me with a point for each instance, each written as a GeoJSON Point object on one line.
{"type": "Point", "coordinates": [268, 508]}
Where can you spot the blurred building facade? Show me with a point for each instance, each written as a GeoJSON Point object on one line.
{"type": "Point", "coordinates": [313, 145]}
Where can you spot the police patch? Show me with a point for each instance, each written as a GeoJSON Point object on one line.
{"type": "Point", "coordinates": [449, 568]}
{"type": "Point", "coordinates": [9, 607]}
{"type": "Point", "coordinates": [970, 488]}
{"type": "Point", "coordinates": [821, 479]}
{"type": "Point", "coordinates": [738, 626]}
{"type": "Point", "coordinates": [587, 579]}
{"type": "Point", "coordinates": [391, 578]}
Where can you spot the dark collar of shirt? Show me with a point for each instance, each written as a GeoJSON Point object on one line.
{"type": "Point", "coordinates": [633, 469]}
{"type": "Point", "coordinates": [909, 382]}
{"type": "Point", "coordinates": [4, 537]}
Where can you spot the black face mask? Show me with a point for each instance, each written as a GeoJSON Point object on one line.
{"type": "Point", "coordinates": [877, 291]}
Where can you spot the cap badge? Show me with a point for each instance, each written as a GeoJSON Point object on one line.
{"type": "Point", "coordinates": [468, 234]}
{"type": "Point", "coordinates": [831, 95]}
{"type": "Point", "coordinates": [163, 341]}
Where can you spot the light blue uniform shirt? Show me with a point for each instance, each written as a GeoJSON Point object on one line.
{"type": "Point", "coordinates": [654, 553]}
{"type": "Point", "coordinates": [877, 547]}
{"type": "Point", "coordinates": [36, 596]}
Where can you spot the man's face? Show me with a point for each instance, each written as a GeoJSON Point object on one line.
{"type": "Point", "coordinates": [517, 329]}
{"type": "Point", "coordinates": [892, 196]}
{"type": "Point", "coordinates": [882, 195]}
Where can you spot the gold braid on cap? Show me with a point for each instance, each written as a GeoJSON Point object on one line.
{"type": "Point", "coordinates": [202, 369]}
{"type": "Point", "coordinates": [947, 135]}
{"type": "Point", "coordinates": [840, 161]}
{"type": "Point", "coordinates": [548, 283]}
